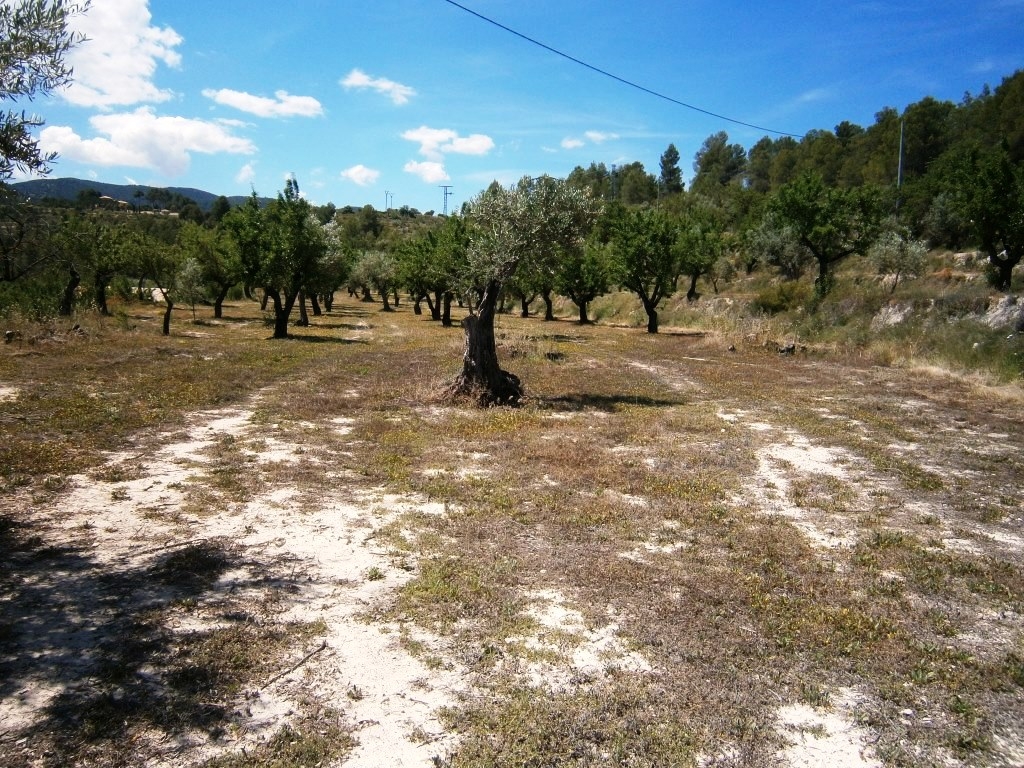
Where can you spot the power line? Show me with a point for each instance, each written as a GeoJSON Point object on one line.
{"type": "Point", "coordinates": [622, 80]}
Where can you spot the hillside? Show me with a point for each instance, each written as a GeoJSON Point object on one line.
{"type": "Point", "coordinates": [70, 189]}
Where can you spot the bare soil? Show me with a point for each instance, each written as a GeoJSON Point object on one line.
{"type": "Point", "coordinates": [673, 553]}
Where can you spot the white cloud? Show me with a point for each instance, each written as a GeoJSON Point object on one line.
{"type": "Point", "coordinates": [436, 142]}
{"type": "Point", "coordinates": [361, 175]}
{"type": "Point", "coordinates": [140, 139]}
{"type": "Point", "coordinates": [475, 144]}
{"type": "Point", "coordinates": [430, 171]}
{"type": "Point", "coordinates": [246, 174]}
{"type": "Point", "coordinates": [398, 93]}
{"type": "Point", "coordinates": [116, 63]}
{"type": "Point", "coordinates": [813, 95]}
{"type": "Point", "coordinates": [598, 137]}
{"type": "Point", "coordinates": [282, 105]}
{"type": "Point", "coordinates": [594, 137]}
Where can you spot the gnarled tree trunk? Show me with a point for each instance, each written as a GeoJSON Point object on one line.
{"type": "Point", "coordinates": [218, 304]}
{"type": "Point", "coordinates": [481, 377]}
{"type": "Point", "coordinates": [169, 306]}
{"type": "Point", "coordinates": [282, 310]}
{"type": "Point", "coordinates": [651, 308]}
{"type": "Point", "coordinates": [446, 311]}
{"type": "Point", "coordinates": [67, 302]}
{"type": "Point", "coordinates": [582, 304]}
{"type": "Point", "coordinates": [549, 306]}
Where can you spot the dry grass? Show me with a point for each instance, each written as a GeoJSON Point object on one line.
{"type": "Point", "coordinates": [631, 482]}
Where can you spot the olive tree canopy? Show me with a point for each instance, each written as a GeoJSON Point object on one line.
{"type": "Point", "coordinates": [532, 223]}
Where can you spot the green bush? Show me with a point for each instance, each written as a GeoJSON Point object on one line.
{"type": "Point", "coordinates": [36, 299]}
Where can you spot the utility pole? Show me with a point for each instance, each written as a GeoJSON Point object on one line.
{"type": "Point", "coordinates": [899, 171]}
{"type": "Point", "coordinates": [447, 194]}
{"type": "Point", "coordinates": [388, 202]}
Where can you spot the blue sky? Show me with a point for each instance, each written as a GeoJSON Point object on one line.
{"type": "Point", "coordinates": [382, 103]}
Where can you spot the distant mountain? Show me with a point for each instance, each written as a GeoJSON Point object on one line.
{"type": "Point", "coordinates": [69, 189]}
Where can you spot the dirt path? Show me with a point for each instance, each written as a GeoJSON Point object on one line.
{"type": "Point", "coordinates": [317, 566]}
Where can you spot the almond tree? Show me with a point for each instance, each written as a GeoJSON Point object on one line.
{"type": "Point", "coordinates": [989, 188]}
{"type": "Point", "coordinates": [280, 247]}
{"type": "Point", "coordinates": [647, 261]}
{"type": "Point", "coordinates": [216, 252]}
{"type": "Point", "coordinates": [831, 223]}
{"type": "Point", "coordinates": [585, 274]}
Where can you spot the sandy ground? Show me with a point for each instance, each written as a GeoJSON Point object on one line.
{"type": "Point", "coordinates": [390, 697]}
{"type": "Point", "coordinates": [342, 573]}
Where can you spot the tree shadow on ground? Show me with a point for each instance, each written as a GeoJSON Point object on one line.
{"type": "Point", "coordinates": [323, 339]}
{"type": "Point", "coordinates": [340, 326]}
{"type": "Point", "coordinates": [589, 401]}
{"type": "Point", "coordinates": [91, 670]}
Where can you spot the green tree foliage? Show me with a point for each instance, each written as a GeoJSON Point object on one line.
{"type": "Point", "coordinates": [158, 262]}
{"type": "Point", "coordinates": [24, 237]}
{"type": "Point", "coordinates": [701, 241]}
{"type": "Point", "coordinates": [452, 259]}
{"type": "Point", "coordinates": [249, 229]}
{"type": "Point", "coordinates": [584, 274]}
{"type": "Point", "coordinates": [361, 229]}
{"type": "Point", "coordinates": [189, 285]}
{"type": "Point", "coordinates": [647, 263]}
{"type": "Point", "coordinates": [90, 249]}
{"type": "Point", "coordinates": [629, 184]}
{"type": "Point", "coordinates": [776, 244]}
{"type": "Point", "coordinates": [219, 209]}
{"type": "Point", "coordinates": [217, 255]}
{"type": "Point", "coordinates": [989, 188]}
{"type": "Point", "coordinates": [536, 220]}
{"type": "Point", "coordinates": [281, 248]}
{"type": "Point", "coordinates": [717, 164]}
{"type": "Point", "coordinates": [831, 223]}
{"type": "Point", "coordinates": [380, 271]}
{"type": "Point", "coordinates": [34, 40]}
{"type": "Point", "coordinates": [331, 271]}
{"type": "Point", "coordinates": [296, 246]}
{"type": "Point", "coordinates": [898, 254]}
{"type": "Point", "coordinates": [596, 178]}
{"type": "Point", "coordinates": [419, 272]}
{"type": "Point", "coordinates": [632, 185]}
{"type": "Point", "coordinates": [671, 180]}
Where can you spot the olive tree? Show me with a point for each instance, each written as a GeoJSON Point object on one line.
{"type": "Point", "coordinates": [379, 270]}
{"type": "Point", "coordinates": [896, 253]}
{"type": "Point", "coordinates": [34, 40]}
{"type": "Point", "coordinates": [512, 228]}
{"type": "Point", "coordinates": [776, 244]}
